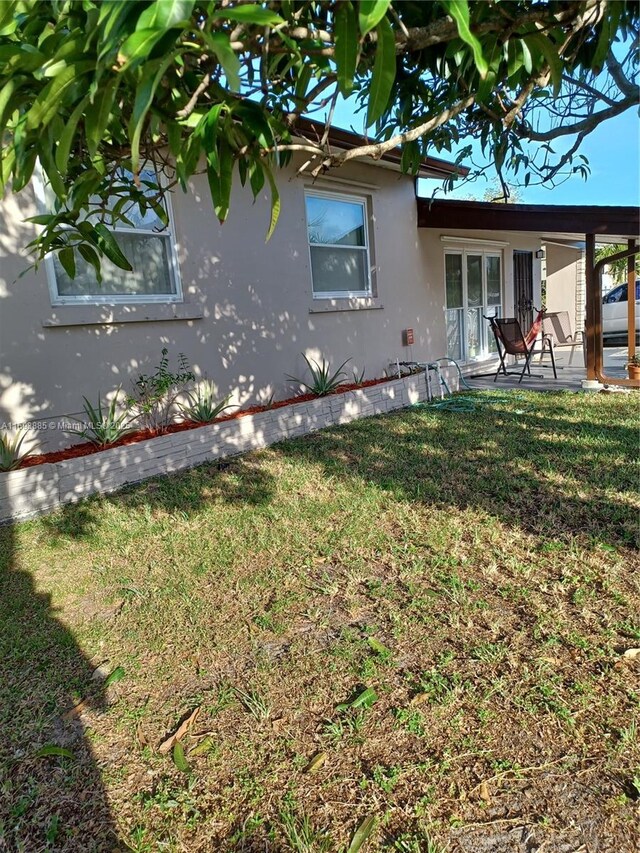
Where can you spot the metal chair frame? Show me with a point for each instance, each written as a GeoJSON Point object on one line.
{"type": "Point", "coordinates": [520, 348]}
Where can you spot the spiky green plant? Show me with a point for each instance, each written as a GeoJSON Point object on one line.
{"type": "Point", "coordinates": [322, 380]}
{"type": "Point", "coordinates": [102, 427]}
{"type": "Point", "coordinates": [202, 406]}
{"type": "Point", "coordinates": [358, 378]}
{"type": "Point", "coordinates": [10, 450]}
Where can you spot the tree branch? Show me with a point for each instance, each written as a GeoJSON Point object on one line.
{"type": "Point", "coordinates": [446, 29]}
{"type": "Point", "coordinates": [579, 84]}
{"type": "Point", "coordinates": [584, 126]}
{"type": "Point", "coordinates": [615, 69]}
{"type": "Point", "coordinates": [191, 104]}
{"type": "Point", "coordinates": [377, 149]}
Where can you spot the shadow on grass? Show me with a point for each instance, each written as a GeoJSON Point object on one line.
{"type": "Point", "coordinates": [233, 481]}
{"type": "Point", "coordinates": [550, 471]}
{"type": "Point", "coordinates": [48, 801]}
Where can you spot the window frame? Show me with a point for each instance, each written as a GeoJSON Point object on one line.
{"type": "Point", "coordinates": [623, 288]}
{"type": "Point", "coordinates": [484, 253]}
{"type": "Point", "coordinates": [366, 249]}
{"type": "Point", "coordinates": [168, 233]}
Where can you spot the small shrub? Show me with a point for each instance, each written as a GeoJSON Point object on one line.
{"type": "Point", "coordinates": [358, 378]}
{"type": "Point", "coordinates": [10, 450]}
{"type": "Point", "coordinates": [102, 427]}
{"type": "Point", "coordinates": [322, 380]}
{"type": "Point", "coordinates": [155, 394]}
{"type": "Point", "coordinates": [202, 406]}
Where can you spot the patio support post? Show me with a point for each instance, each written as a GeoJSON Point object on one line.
{"type": "Point", "coordinates": [631, 300]}
{"type": "Point", "coordinates": [591, 333]}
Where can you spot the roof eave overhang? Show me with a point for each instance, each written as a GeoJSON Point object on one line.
{"type": "Point", "coordinates": [346, 140]}
{"type": "Point", "coordinates": [539, 218]}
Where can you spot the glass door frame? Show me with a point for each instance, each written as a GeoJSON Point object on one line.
{"type": "Point", "coordinates": [486, 351]}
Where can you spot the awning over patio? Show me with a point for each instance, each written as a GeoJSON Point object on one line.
{"type": "Point", "coordinates": [591, 224]}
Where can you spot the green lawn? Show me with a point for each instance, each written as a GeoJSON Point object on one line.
{"type": "Point", "coordinates": [419, 617]}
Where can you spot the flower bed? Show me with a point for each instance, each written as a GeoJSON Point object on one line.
{"type": "Point", "coordinates": [87, 447]}
{"type": "Point", "coordinates": [52, 479]}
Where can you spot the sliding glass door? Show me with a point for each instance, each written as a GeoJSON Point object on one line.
{"type": "Point", "coordinates": [473, 283]}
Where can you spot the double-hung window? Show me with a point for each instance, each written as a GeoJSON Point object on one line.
{"type": "Point", "coordinates": [473, 283]}
{"type": "Point", "coordinates": [338, 245]}
{"type": "Point", "coordinates": [147, 242]}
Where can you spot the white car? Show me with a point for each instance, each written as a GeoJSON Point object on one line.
{"type": "Point", "coordinates": [614, 311]}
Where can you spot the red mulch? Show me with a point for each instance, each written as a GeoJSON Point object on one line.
{"type": "Point", "coordinates": [88, 448]}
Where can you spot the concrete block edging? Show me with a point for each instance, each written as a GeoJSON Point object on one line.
{"type": "Point", "coordinates": [28, 492]}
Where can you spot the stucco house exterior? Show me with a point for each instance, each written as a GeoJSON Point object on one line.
{"type": "Point", "coordinates": [347, 271]}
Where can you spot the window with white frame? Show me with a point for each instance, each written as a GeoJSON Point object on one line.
{"type": "Point", "coordinates": [338, 244]}
{"type": "Point", "coordinates": [473, 284]}
{"type": "Point", "coordinates": [147, 242]}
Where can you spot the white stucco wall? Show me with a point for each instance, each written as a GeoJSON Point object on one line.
{"type": "Point", "coordinates": [565, 289]}
{"type": "Point", "coordinates": [258, 314]}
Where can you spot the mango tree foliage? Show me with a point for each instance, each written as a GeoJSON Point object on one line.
{"type": "Point", "coordinates": [104, 94]}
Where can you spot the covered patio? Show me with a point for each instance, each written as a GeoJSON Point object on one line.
{"type": "Point", "coordinates": [571, 375]}
{"type": "Point", "coordinates": [562, 226]}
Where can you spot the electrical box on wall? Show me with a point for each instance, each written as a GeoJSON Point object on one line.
{"type": "Point", "coordinates": [407, 338]}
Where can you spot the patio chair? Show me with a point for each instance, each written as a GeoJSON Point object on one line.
{"type": "Point", "coordinates": [556, 326]}
{"type": "Point", "coordinates": [511, 341]}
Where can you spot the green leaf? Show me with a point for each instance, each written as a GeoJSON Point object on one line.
{"type": "Point", "coordinates": [526, 56]}
{"type": "Point", "coordinates": [609, 26]}
{"type": "Point", "coordinates": [45, 152]}
{"type": "Point", "coordinates": [97, 118]}
{"type": "Point", "coordinates": [370, 13]}
{"type": "Point", "coordinates": [206, 745]}
{"type": "Point", "coordinates": [249, 14]}
{"type": "Point", "coordinates": [227, 57]}
{"type": "Point", "coordinates": [384, 72]}
{"type": "Point", "coordinates": [68, 136]}
{"type": "Point", "coordinates": [118, 673]}
{"type": "Point", "coordinates": [67, 258]}
{"type": "Point", "coordinates": [220, 180]}
{"type": "Point", "coordinates": [378, 647]}
{"type": "Point", "coordinates": [164, 14]}
{"type": "Point", "coordinates": [138, 47]}
{"type": "Point", "coordinates": [150, 78]}
{"type": "Point", "coordinates": [256, 121]}
{"type": "Point", "coordinates": [365, 699]}
{"type": "Point", "coordinates": [6, 93]}
{"type": "Point", "coordinates": [256, 177]}
{"type": "Point", "coordinates": [91, 257]}
{"type": "Point", "coordinates": [47, 105]}
{"type": "Point", "coordinates": [275, 202]}
{"type": "Point", "coordinates": [459, 11]}
{"type": "Point", "coordinates": [179, 758]}
{"type": "Point", "coordinates": [41, 218]}
{"type": "Point", "coordinates": [303, 80]}
{"type": "Point", "coordinates": [362, 834]}
{"type": "Point", "coordinates": [8, 22]}
{"type": "Point", "coordinates": [209, 133]}
{"type": "Point", "coordinates": [107, 242]}
{"type": "Point", "coordinates": [112, 21]}
{"type": "Point", "coordinates": [346, 48]}
{"type": "Point", "coordinates": [52, 749]}
{"type": "Point", "coordinates": [550, 53]}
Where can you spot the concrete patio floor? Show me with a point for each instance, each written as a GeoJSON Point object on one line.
{"type": "Point", "coordinates": [570, 375]}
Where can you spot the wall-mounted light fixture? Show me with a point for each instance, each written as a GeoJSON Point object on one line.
{"type": "Point", "coordinates": [540, 254]}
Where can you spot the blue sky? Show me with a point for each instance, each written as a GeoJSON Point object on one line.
{"type": "Point", "coordinates": [613, 151]}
